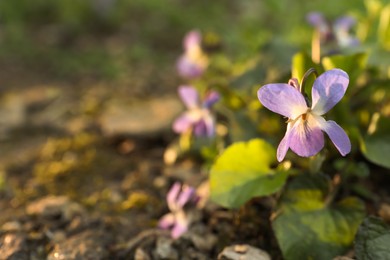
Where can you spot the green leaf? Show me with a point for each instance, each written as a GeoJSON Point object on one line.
{"type": "Point", "coordinates": [246, 73]}
{"type": "Point", "coordinates": [372, 240]}
{"type": "Point", "coordinates": [352, 64]}
{"type": "Point", "coordinates": [376, 144]}
{"type": "Point", "coordinates": [301, 62]}
{"type": "Point", "coordinates": [384, 27]}
{"type": "Point", "coordinates": [241, 127]}
{"type": "Point", "coordinates": [309, 227]}
{"type": "Point", "coordinates": [244, 171]}
{"type": "Point", "coordinates": [377, 149]}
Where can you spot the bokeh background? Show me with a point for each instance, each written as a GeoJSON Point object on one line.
{"type": "Point", "coordinates": [88, 92]}
{"type": "Point", "coordinates": [134, 43]}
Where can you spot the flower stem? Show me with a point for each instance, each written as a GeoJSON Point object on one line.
{"type": "Point", "coordinates": [303, 83]}
{"type": "Point", "coordinates": [335, 188]}
{"type": "Point", "coordinates": [305, 76]}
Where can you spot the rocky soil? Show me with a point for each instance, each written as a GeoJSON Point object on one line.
{"type": "Point", "coordinates": [82, 176]}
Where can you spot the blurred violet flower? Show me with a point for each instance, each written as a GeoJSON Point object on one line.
{"type": "Point", "coordinates": [306, 124]}
{"type": "Point", "coordinates": [339, 31]}
{"type": "Point", "coordinates": [198, 117]}
{"type": "Point", "coordinates": [177, 220]}
{"type": "Point", "coordinates": [193, 62]}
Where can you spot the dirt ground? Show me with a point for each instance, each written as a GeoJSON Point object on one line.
{"type": "Point", "coordinates": [78, 181]}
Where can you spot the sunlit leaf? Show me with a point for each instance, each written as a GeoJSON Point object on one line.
{"type": "Point", "coordinates": [309, 226]}
{"type": "Point", "coordinates": [376, 144]}
{"type": "Point", "coordinates": [377, 149]}
{"type": "Point", "coordinates": [244, 171]}
{"type": "Point", "coordinates": [301, 62]}
{"type": "Point", "coordinates": [384, 27]}
{"type": "Point", "coordinates": [372, 240]}
{"type": "Point", "coordinates": [352, 64]}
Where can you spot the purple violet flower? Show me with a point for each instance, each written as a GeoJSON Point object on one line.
{"type": "Point", "coordinates": [177, 220]}
{"type": "Point", "coordinates": [306, 124]}
{"type": "Point", "coordinates": [198, 117]}
{"type": "Point", "coordinates": [193, 62]}
{"type": "Point", "coordinates": [339, 30]}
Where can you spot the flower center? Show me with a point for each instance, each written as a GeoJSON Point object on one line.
{"type": "Point", "coordinates": [304, 116]}
{"type": "Point", "coordinates": [198, 113]}
{"type": "Point", "coordinates": [196, 55]}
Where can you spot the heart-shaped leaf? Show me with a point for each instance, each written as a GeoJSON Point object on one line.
{"type": "Point", "coordinates": [309, 227]}
{"type": "Point", "coordinates": [372, 240]}
{"type": "Point", "coordinates": [244, 171]}
{"type": "Point", "coordinates": [376, 144]}
{"type": "Point", "coordinates": [352, 64]}
{"type": "Point", "coordinates": [301, 62]}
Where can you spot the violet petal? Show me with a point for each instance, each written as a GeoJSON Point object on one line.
{"type": "Point", "coordinates": [178, 230]}
{"type": "Point", "coordinates": [284, 145]}
{"type": "Point", "coordinates": [189, 95]}
{"type": "Point", "coordinates": [209, 122]}
{"type": "Point", "coordinates": [337, 135]}
{"type": "Point", "coordinates": [180, 226]}
{"type": "Point", "coordinates": [282, 99]}
{"type": "Point", "coordinates": [328, 89]}
{"type": "Point", "coordinates": [200, 128]}
{"type": "Point", "coordinates": [192, 38]}
{"type": "Point", "coordinates": [189, 68]}
{"type": "Point", "coordinates": [211, 98]}
{"type": "Point", "coordinates": [182, 123]}
{"type": "Point", "coordinates": [344, 23]}
{"type": "Point", "coordinates": [306, 138]}
{"type": "Point", "coordinates": [167, 221]}
{"type": "Point", "coordinates": [185, 196]}
{"type": "Point", "coordinates": [316, 19]}
{"type": "Point", "coordinates": [172, 195]}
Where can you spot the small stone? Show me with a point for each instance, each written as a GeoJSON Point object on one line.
{"type": "Point", "coordinates": [204, 242]}
{"type": "Point", "coordinates": [77, 124]}
{"type": "Point", "coordinates": [12, 226]}
{"type": "Point", "coordinates": [13, 247]}
{"type": "Point", "coordinates": [12, 112]}
{"type": "Point", "coordinates": [192, 253]}
{"type": "Point", "coordinates": [243, 252]}
{"type": "Point", "coordinates": [86, 245]}
{"type": "Point", "coordinates": [46, 106]}
{"type": "Point", "coordinates": [242, 249]}
{"type": "Point", "coordinates": [140, 254]}
{"type": "Point", "coordinates": [165, 250]}
{"type": "Point", "coordinates": [144, 119]}
{"type": "Point", "coordinates": [53, 206]}
{"type": "Point", "coordinates": [57, 236]}
{"type": "Point", "coordinates": [127, 146]}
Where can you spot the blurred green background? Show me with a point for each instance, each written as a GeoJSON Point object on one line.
{"type": "Point", "coordinates": [123, 40]}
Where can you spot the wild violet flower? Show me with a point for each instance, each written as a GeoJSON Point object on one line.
{"type": "Point", "coordinates": [177, 220]}
{"type": "Point", "coordinates": [198, 117]}
{"type": "Point", "coordinates": [339, 31]}
{"type": "Point", "coordinates": [193, 62]}
{"type": "Point", "coordinates": [306, 124]}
